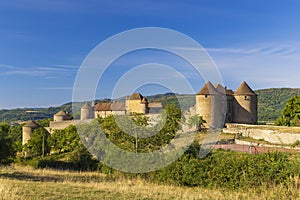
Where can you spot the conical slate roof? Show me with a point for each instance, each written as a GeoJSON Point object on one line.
{"type": "Point", "coordinates": [220, 88]}
{"type": "Point", "coordinates": [86, 106]}
{"type": "Point", "coordinates": [208, 89]}
{"type": "Point", "coordinates": [32, 124]}
{"type": "Point", "coordinates": [61, 113]}
{"type": "Point", "coordinates": [244, 89]}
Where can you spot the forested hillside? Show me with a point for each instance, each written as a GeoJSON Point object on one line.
{"type": "Point", "coordinates": [271, 102]}
{"type": "Point", "coordinates": [270, 105]}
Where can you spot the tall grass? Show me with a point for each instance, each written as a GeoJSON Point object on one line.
{"type": "Point", "coordinates": [28, 183]}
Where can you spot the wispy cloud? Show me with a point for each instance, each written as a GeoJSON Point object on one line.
{"type": "Point", "coordinates": [9, 70]}
{"type": "Point", "coordinates": [276, 50]}
{"type": "Point", "coordinates": [263, 66]}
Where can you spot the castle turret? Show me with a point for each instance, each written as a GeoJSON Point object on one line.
{"type": "Point", "coordinates": [61, 116]}
{"type": "Point", "coordinates": [211, 105]}
{"type": "Point", "coordinates": [87, 112]}
{"type": "Point", "coordinates": [245, 105]}
{"type": "Point", "coordinates": [27, 130]}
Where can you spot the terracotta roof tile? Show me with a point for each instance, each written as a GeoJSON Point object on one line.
{"type": "Point", "coordinates": [118, 106]}
{"type": "Point", "coordinates": [103, 106]}
{"type": "Point", "coordinates": [108, 106]}
{"type": "Point", "coordinates": [155, 105]}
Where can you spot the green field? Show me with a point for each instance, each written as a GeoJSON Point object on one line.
{"type": "Point", "coordinates": [18, 182]}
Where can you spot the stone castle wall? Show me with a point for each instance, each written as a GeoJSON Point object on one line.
{"type": "Point", "coordinates": [272, 134]}
{"type": "Point", "coordinates": [60, 125]}
{"type": "Point", "coordinates": [26, 134]}
{"type": "Point", "coordinates": [245, 109]}
{"type": "Point", "coordinates": [133, 106]}
{"type": "Point", "coordinates": [204, 108]}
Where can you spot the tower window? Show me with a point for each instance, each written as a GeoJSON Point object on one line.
{"type": "Point", "coordinates": [247, 98]}
{"type": "Point", "coordinates": [206, 96]}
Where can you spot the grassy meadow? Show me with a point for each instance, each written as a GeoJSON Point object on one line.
{"type": "Point", "coordinates": [17, 182]}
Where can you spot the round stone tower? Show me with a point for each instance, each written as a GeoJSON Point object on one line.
{"type": "Point", "coordinates": [27, 130]}
{"type": "Point", "coordinates": [245, 105]}
{"type": "Point", "coordinates": [60, 116]}
{"type": "Point", "coordinates": [87, 112]}
{"type": "Point", "coordinates": [211, 105]}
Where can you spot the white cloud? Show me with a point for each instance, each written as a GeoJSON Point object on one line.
{"type": "Point", "coordinates": [47, 71]}
{"type": "Point", "coordinates": [271, 49]}
{"type": "Point", "coordinates": [263, 66]}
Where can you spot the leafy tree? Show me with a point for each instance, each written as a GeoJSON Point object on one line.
{"type": "Point", "coordinates": [6, 144]}
{"type": "Point", "coordinates": [15, 132]}
{"type": "Point", "coordinates": [271, 102]}
{"type": "Point", "coordinates": [196, 120]}
{"type": "Point", "coordinates": [82, 158]}
{"type": "Point", "coordinates": [64, 140]}
{"type": "Point", "coordinates": [44, 122]}
{"type": "Point", "coordinates": [173, 118]}
{"type": "Point", "coordinates": [38, 143]}
{"type": "Point", "coordinates": [291, 113]}
{"type": "Point", "coordinates": [140, 120]}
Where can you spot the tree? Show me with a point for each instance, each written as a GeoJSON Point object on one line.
{"type": "Point", "coordinates": [15, 132]}
{"type": "Point", "coordinates": [38, 143]}
{"type": "Point", "coordinates": [197, 121]}
{"type": "Point", "coordinates": [291, 113]}
{"type": "Point", "coordinates": [64, 140]}
{"type": "Point", "coordinates": [6, 144]}
{"type": "Point", "coordinates": [173, 118]}
{"type": "Point", "coordinates": [44, 122]}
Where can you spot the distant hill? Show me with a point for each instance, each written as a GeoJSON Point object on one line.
{"type": "Point", "coordinates": [270, 105]}
{"type": "Point", "coordinates": [271, 102]}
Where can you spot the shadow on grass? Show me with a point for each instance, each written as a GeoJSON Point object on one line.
{"type": "Point", "coordinates": [30, 177]}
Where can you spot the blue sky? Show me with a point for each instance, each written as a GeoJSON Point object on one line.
{"type": "Point", "coordinates": [44, 42]}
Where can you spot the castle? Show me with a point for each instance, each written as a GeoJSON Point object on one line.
{"type": "Point", "coordinates": [136, 103]}
{"type": "Point", "coordinates": [215, 103]}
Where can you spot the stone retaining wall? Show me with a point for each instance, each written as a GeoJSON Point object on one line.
{"type": "Point", "coordinates": [263, 133]}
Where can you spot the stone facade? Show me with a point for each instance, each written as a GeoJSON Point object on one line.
{"type": "Point", "coordinates": [87, 112]}
{"type": "Point", "coordinates": [61, 116]}
{"type": "Point", "coordinates": [105, 109]}
{"type": "Point", "coordinates": [27, 130]}
{"type": "Point", "coordinates": [272, 134]}
{"type": "Point", "coordinates": [136, 103]}
{"type": "Point", "coordinates": [217, 105]}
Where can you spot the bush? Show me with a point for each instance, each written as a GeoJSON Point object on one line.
{"type": "Point", "coordinates": [224, 169]}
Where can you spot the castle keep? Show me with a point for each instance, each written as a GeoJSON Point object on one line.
{"type": "Point", "coordinates": [217, 104]}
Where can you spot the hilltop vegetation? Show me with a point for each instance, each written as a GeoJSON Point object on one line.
{"type": "Point", "coordinates": [270, 105]}
{"type": "Point", "coordinates": [272, 175]}
{"type": "Point", "coordinates": [291, 113]}
{"type": "Point", "coordinates": [272, 101]}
